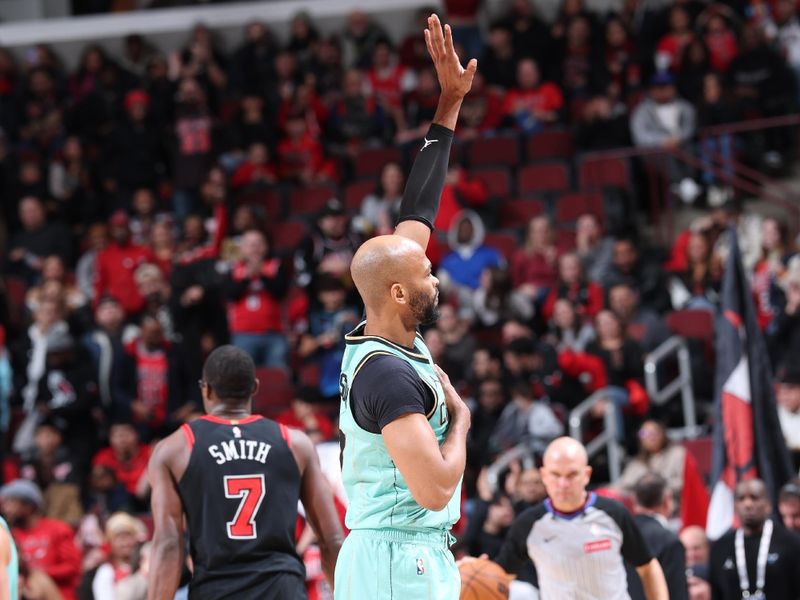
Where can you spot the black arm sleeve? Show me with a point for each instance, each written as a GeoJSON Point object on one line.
{"type": "Point", "coordinates": [514, 553]}
{"type": "Point", "coordinates": [634, 548]}
{"type": "Point", "coordinates": [426, 180]}
{"type": "Point", "coordinates": [375, 404]}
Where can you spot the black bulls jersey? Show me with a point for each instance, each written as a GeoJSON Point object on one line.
{"type": "Point", "coordinates": [239, 493]}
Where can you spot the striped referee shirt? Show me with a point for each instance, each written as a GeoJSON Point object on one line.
{"type": "Point", "coordinates": [579, 555]}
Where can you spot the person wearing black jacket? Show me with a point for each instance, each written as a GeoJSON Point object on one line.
{"type": "Point", "coordinates": [653, 506]}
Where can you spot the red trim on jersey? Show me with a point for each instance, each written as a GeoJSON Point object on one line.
{"type": "Point", "coordinates": [220, 421]}
{"type": "Point", "coordinates": [285, 434]}
{"type": "Point", "coordinates": [187, 431]}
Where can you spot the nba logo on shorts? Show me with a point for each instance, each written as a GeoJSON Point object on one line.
{"type": "Point", "coordinates": [420, 567]}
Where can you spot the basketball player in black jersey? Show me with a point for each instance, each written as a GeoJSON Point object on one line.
{"type": "Point", "coordinates": [237, 477]}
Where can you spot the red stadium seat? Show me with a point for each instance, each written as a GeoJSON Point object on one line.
{"type": "Point", "coordinates": [517, 213]}
{"type": "Point", "coordinates": [287, 237]}
{"type": "Point", "coordinates": [696, 325]}
{"type": "Point", "coordinates": [550, 177]}
{"type": "Point", "coordinates": [269, 199]}
{"type": "Point", "coordinates": [596, 174]}
{"type": "Point", "coordinates": [548, 145]}
{"type": "Point", "coordinates": [571, 206]}
{"type": "Point", "coordinates": [355, 193]}
{"type": "Point", "coordinates": [370, 162]}
{"type": "Point", "coordinates": [493, 151]}
{"type": "Point", "coordinates": [496, 179]}
{"type": "Point", "coordinates": [309, 201]}
{"type": "Point", "coordinates": [506, 243]}
{"type": "Point", "coordinates": [275, 391]}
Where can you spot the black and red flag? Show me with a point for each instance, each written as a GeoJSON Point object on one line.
{"type": "Point", "coordinates": [748, 442]}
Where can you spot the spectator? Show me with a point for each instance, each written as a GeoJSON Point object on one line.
{"type": "Point", "coordinates": [73, 186]}
{"type": "Point", "coordinates": [356, 119]}
{"type": "Point", "coordinates": [533, 267]}
{"type": "Point", "coordinates": [419, 109]}
{"type": "Point", "coordinates": [54, 271]}
{"type": "Point", "coordinates": [630, 266]}
{"type": "Point", "coordinates": [6, 386]}
{"type": "Point", "coordinates": [123, 534]}
{"type": "Point", "coordinates": [531, 103]}
{"type": "Point", "coordinates": [388, 79]}
{"type": "Point", "coordinates": [530, 36]}
{"type": "Point", "coordinates": [486, 364]}
{"type": "Point", "coordinates": [696, 544]}
{"type": "Point", "coordinates": [525, 420]}
{"type": "Point", "coordinates": [717, 107]}
{"type": "Point", "coordinates": [622, 67]}
{"type": "Point", "coordinates": [579, 76]}
{"type": "Point", "coordinates": [486, 408]}
{"type": "Point", "coordinates": [254, 288]}
{"type": "Point", "coordinates": [126, 458]}
{"type": "Point", "coordinates": [459, 342]}
{"type": "Point", "coordinates": [257, 171]}
{"type": "Point", "coordinates": [480, 113]}
{"type": "Point", "coordinates": [118, 262]}
{"type": "Point", "coordinates": [586, 296]}
{"type": "Point", "coordinates": [593, 247]}
{"type": "Point", "coordinates": [788, 396]}
{"type": "Point", "coordinates": [461, 190]}
{"type": "Point", "coordinates": [499, 60]}
{"type": "Point", "coordinates": [698, 286]}
{"type": "Point", "coordinates": [603, 124]}
{"type": "Point", "coordinates": [789, 505]}
{"type": "Point", "coordinates": [657, 454]}
{"type": "Point", "coordinates": [488, 526]}
{"type": "Point", "coordinates": [670, 46]}
{"type": "Point", "coordinates": [253, 60]}
{"type": "Point", "coordinates": [653, 507]}
{"type": "Point", "coordinates": [55, 470]}
{"type": "Point", "coordinates": [144, 207]}
{"type": "Point", "coordinates": [42, 543]}
{"type": "Point", "coordinates": [134, 587]}
{"type": "Point", "coordinates": [300, 155]}
{"type": "Point", "coordinates": [379, 209]}
{"type": "Point", "coordinates": [157, 294]}
{"type": "Point", "coordinates": [305, 414]}
{"type": "Point", "coordinates": [719, 37]}
{"type": "Point", "coordinates": [784, 334]}
{"type": "Point", "coordinates": [360, 37]}
{"type": "Point", "coordinates": [788, 37]}
{"type": "Point", "coordinates": [695, 66]}
{"type": "Point", "coordinates": [328, 325]}
{"type": "Point", "coordinates": [776, 253]}
{"type": "Point", "coordinates": [460, 270]}
{"type": "Point", "coordinates": [495, 301]}
{"type": "Point", "coordinates": [252, 126]}
{"type": "Point", "coordinates": [567, 330]}
{"type": "Point", "coordinates": [96, 240]}
{"type": "Point", "coordinates": [36, 240]}
{"type": "Point", "coordinates": [304, 36]}
{"type": "Point", "coordinates": [641, 324]}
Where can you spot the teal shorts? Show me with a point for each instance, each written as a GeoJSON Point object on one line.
{"type": "Point", "coordinates": [391, 564]}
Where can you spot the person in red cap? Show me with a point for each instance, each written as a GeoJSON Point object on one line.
{"type": "Point", "coordinates": [117, 263]}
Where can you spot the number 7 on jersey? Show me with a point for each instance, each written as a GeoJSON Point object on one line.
{"type": "Point", "coordinates": [250, 489]}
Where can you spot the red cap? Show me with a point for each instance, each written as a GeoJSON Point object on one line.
{"type": "Point", "coordinates": [118, 219]}
{"type": "Point", "coordinates": [136, 97]}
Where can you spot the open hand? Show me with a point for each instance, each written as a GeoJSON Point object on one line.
{"type": "Point", "coordinates": [454, 79]}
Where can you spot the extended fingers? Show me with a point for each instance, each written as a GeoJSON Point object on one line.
{"type": "Point", "coordinates": [448, 41]}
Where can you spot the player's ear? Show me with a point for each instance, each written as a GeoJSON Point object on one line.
{"type": "Point", "coordinates": [398, 293]}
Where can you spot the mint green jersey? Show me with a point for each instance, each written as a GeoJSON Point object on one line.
{"type": "Point", "coordinates": [378, 496]}
{"type": "Point", "coordinates": [13, 563]}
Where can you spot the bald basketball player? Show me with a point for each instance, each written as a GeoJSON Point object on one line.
{"type": "Point", "coordinates": [577, 539]}
{"type": "Point", "coordinates": [403, 426]}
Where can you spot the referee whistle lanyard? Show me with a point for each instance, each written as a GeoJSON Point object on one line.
{"type": "Point", "coordinates": [761, 563]}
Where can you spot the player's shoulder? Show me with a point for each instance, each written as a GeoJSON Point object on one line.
{"type": "Point", "coordinates": [379, 365]}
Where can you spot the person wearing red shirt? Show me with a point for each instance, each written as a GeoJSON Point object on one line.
{"type": "Point", "coordinates": [670, 47]}
{"type": "Point", "coordinates": [388, 79]}
{"type": "Point", "coordinates": [533, 102]}
{"type": "Point", "coordinates": [481, 111]}
{"type": "Point", "coordinates": [127, 457]}
{"type": "Point", "coordinates": [117, 263]}
{"type": "Point", "coordinates": [533, 267]}
{"type": "Point", "coordinates": [256, 169]}
{"type": "Point", "coordinates": [721, 42]}
{"type": "Point", "coordinates": [587, 296]}
{"type": "Point", "coordinates": [254, 289]}
{"type": "Point", "coordinates": [302, 415]}
{"type": "Point", "coordinates": [43, 544]}
{"type": "Point", "coordinates": [301, 157]}
{"type": "Point", "coordinates": [460, 191]}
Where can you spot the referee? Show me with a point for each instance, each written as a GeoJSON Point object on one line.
{"type": "Point", "coordinates": [579, 542]}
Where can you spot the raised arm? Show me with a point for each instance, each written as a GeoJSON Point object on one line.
{"type": "Point", "coordinates": [420, 203]}
{"type": "Point", "coordinates": [167, 554]}
{"type": "Point", "coordinates": [431, 472]}
{"type": "Point", "coordinates": [317, 498]}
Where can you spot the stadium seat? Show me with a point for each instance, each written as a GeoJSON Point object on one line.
{"type": "Point", "coordinates": [517, 213]}
{"type": "Point", "coordinates": [549, 177]}
{"type": "Point", "coordinates": [571, 206]}
{"type": "Point", "coordinates": [267, 198]}
{"type": "Point", "coordinates": [595, 174]}
{"type": "Point", "coordinates": [496, 179]}
{"type": "Point", "coordinates": [287, 236]}
{"type": "Point", "coordinates": [506, 243]}
{"type": "Point", "coordinates": [370, 162]}
{"type": "Point", "coordinates": [309, 201]}
{"type": "Point", "coordinates": [355, 193]}
{"type": "Point", "coordinates": [548, 145]}
{"type": "Point", "coordinates": [694, 325]}
{"type": "Point", "coordinates": [275, 391]}
{"type": "Point", "coordinates": [493, 151]}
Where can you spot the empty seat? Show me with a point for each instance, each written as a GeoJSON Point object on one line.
{"type": "Point", "coordinates": [287, 237]}
{"type": "Point", "coordinates": [517, 213]}
{"type": "Point", "coordinates": [549, 144]}
{"type": "Point", "coordinates": [355, 193]}
{"type": "Point", "coordinates": [597, 173]}
{"type": "Point", "coordinates": [267, 198]}
{"type": "Point", "coordinates": [571, 206]}
{"type": "Point", "coordinates": [370, 162]}
{"type": "Point", "coordinates": [549, 177]}
{"type": "Point", "coordinates": [309, 201]}
{"type": "Point", "coordinates": [506, 243]}
{"type": "Point", "coordinates": [493, 151]}
{"type": "Point", "coordinates": [496, 179]}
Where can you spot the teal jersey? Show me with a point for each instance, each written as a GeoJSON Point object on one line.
{"type": "Point", "coordinates": [13, 563]}
{"type": "Point", "coordinates": [378, 496]}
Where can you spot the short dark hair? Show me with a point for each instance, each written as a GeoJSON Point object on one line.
{"type": "Point", "coordinates": [231, 373]}
{"type": "Point", "coordinates": [649, 490]}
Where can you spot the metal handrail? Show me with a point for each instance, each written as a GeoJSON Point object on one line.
{"type": "Point", "coordinates": [520, 451]}
{"type": "Point", "coordinates": [682, 384]}
{"type": "Point", "coordinates": [607, 438]}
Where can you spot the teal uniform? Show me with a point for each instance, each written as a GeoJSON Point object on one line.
{"type": "Point", "coordinates": [396, 548]}
{"type": "Point", "coordinates": [13, 563]}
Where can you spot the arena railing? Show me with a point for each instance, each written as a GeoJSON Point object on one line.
{"type": "Point", "coordinates": [606, 439]}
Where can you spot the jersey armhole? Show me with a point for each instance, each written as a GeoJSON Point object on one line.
{"type": "Point", "coordinates": [187, 431]}
{"type": "Point", "coordinates": [285, 435]}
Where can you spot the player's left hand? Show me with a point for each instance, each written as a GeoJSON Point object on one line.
{"type": "Point", "coordinates": [454, 79]}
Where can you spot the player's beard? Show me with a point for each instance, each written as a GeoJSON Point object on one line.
{"type": "Point", "coordinates": [425, 308]}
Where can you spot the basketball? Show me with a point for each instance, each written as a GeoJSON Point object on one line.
{"type": "Point", "coordinates": [482, 579]}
